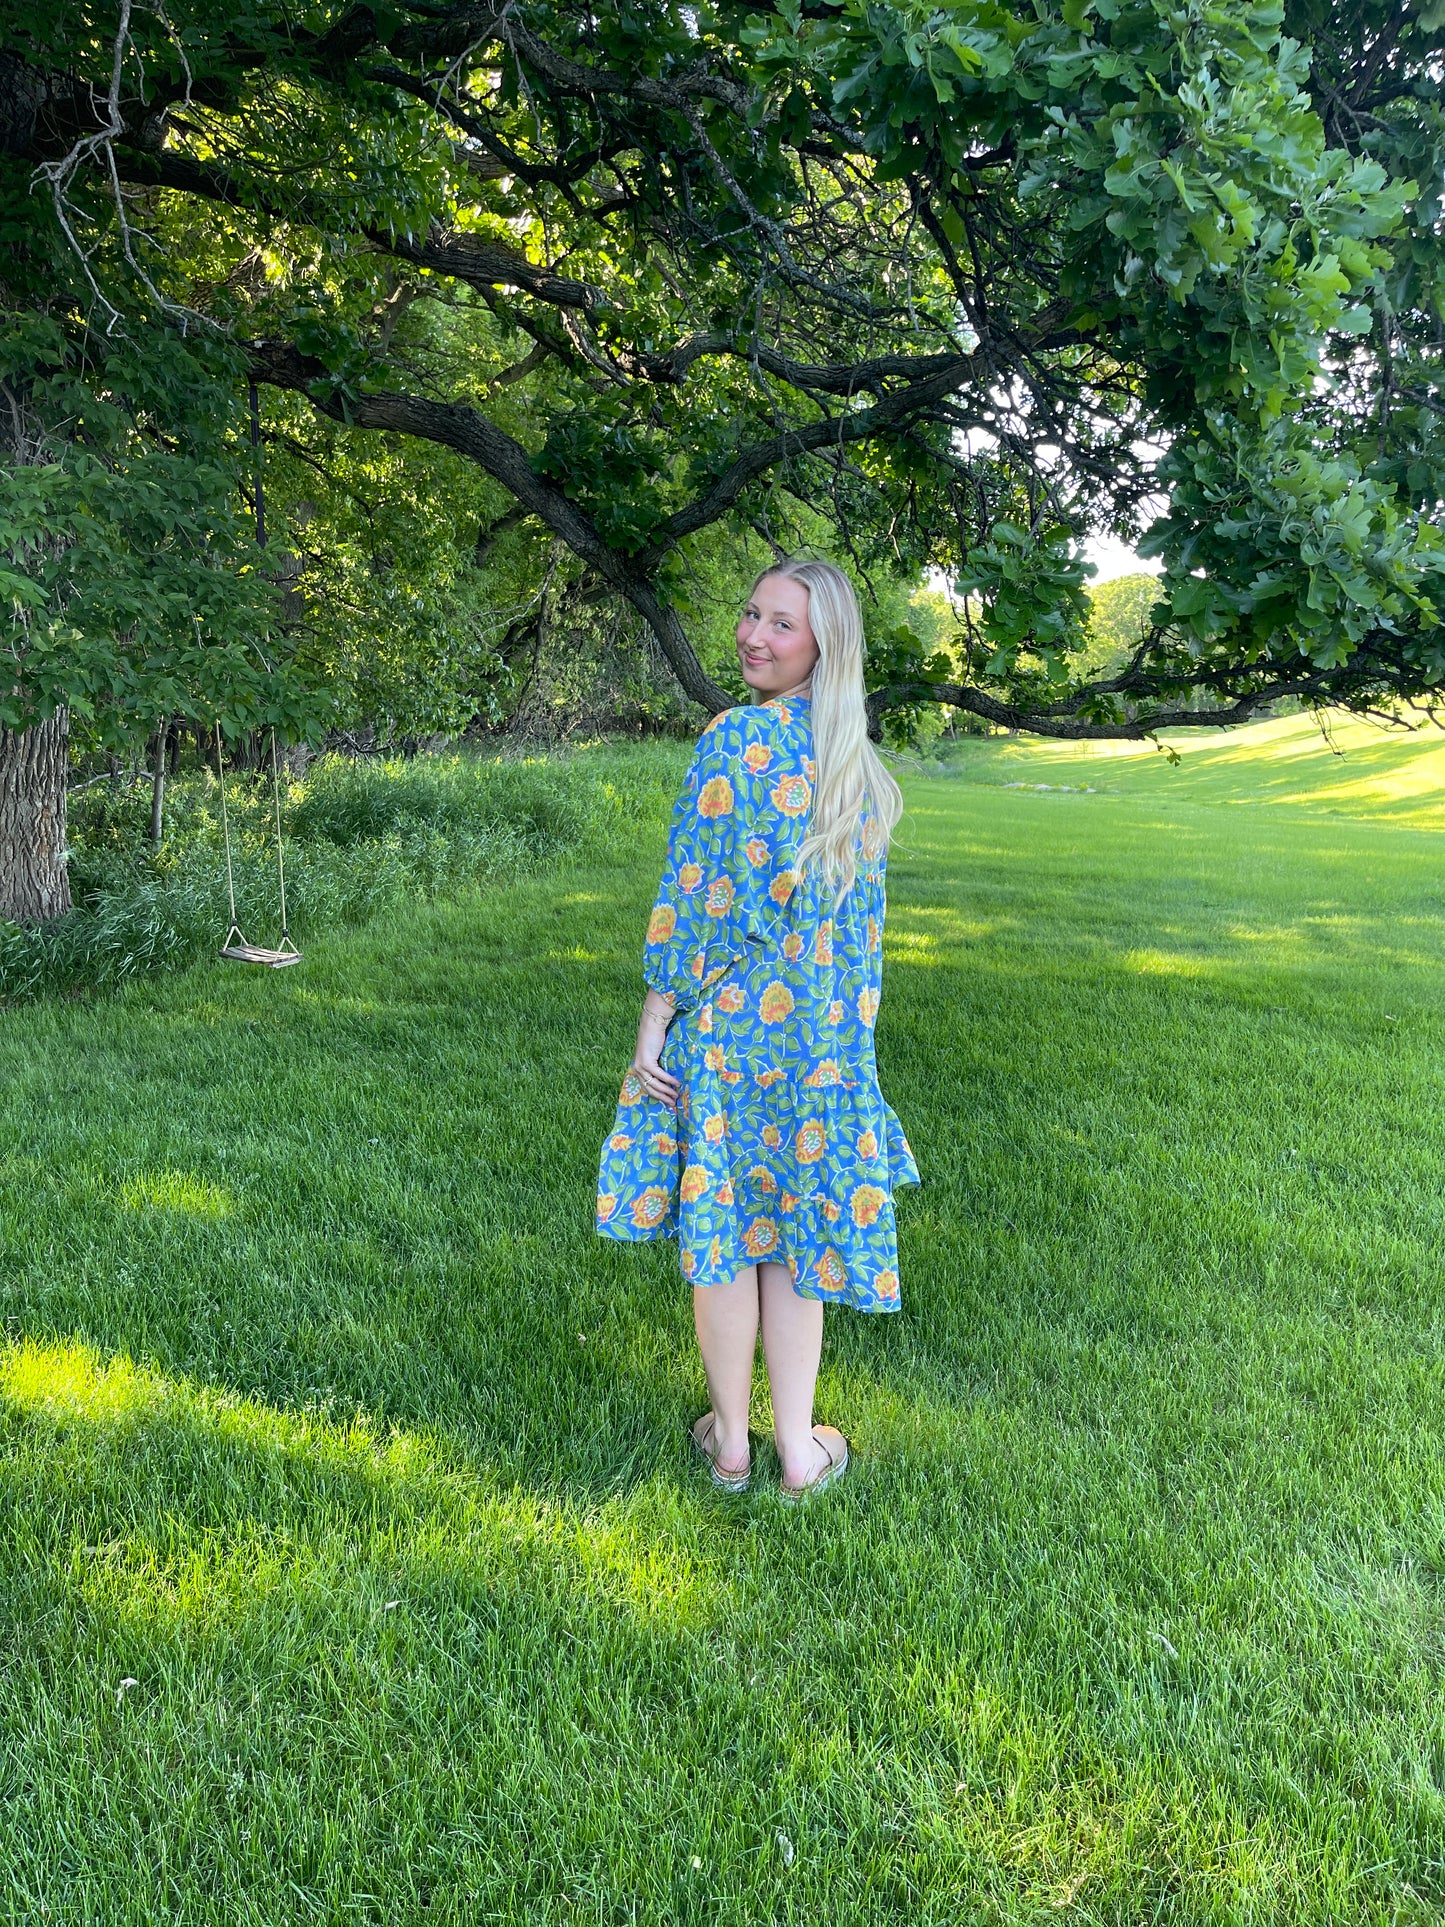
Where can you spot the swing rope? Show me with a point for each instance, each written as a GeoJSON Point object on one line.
{"type": "Point", "coordinates": [286, 943]}
{"type": "Point", "coordinates": [280, 850]}
{"type": "Point", "coordinates": [233, 935]}
{"type": "Point", "coordinates": [236, 947]}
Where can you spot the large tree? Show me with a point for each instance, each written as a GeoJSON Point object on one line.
{"type": "Point", "coordinates": [964, 281]}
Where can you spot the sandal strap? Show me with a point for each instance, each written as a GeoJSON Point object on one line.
{"type": "Point", "coordinates": [825, 1477]}
{"type": "Point", "coordinates": [706, 1443]}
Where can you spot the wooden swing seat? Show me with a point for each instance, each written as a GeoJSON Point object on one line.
{"type": "Point", "coordinates": [255, 953]}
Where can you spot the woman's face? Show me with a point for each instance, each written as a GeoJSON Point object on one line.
{"type": "Point", "coordinates": [775, 639]}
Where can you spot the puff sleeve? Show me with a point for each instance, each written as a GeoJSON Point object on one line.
{"type": "Point", "coordinates": [736, 829]}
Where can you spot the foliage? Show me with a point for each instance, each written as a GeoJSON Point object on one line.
{"type": "Point", "coordinates": [1120, 618]}
{"type": "Point", "coordinates": [132, 585]}
{"type": "Point", "coordinates": [945, 283]}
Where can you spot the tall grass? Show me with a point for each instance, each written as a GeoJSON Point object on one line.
{"type": "Point", "coordinates": [359, 838]}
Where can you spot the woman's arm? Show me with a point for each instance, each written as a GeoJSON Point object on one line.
{"type": "Point", "coordinates": [657, 1014]}
{"type": "Point", "coordinates": [735, 831]}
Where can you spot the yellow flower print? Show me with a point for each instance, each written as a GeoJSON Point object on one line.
{"type": "Point", "coordinates": [781, 887]}
{"type": "Point", "coordinates": [785, 715]}
{"type": "Point", "coordinates": [714, 1252]}
{"type": "Point", "coordinates": [760, 1238]}
{"type": "Point", "coordinates": [661, 924]}
{"type": "Point", "coordinates": [830, 1271]}
{"type": "Point", "coordinates": [885, 1283]}
{"type": "Point", "coordinates": [719, 896]}
{"type": "Point", "coordinates": [714, 1057]}
{"type": "Point", "coordinates": [664, 1145]}
{"type": "Point", "coordinates": [810, 768]}
{"type": "Point", "coordinates": [694, 1183]}
{"type": "Point", "coordinates": [772, 1136]}
{"type": "Point", "coordinates": [868, 1144]}
{"type": "Point", "coordinates": [732, 1077]}
{"type": "Point", "coordinates": [866, 1202]}
{"type": "Point", "coordinates": [792, 946]}
{"type": "Point", "coordinates": [606, 1205]}
{"type": "Point", "coordinates": [787, 1203]}
{"type": "Point", "coordinates": [699, 964]}
{"type": "Point", "coordinates": [619, 1141]}
{"type": "Point", "coordinates": [823, 944]}
{"type": "Point", "coordinates": [757, 852]}
{"type": "Point", "coordinates": [835, 1011]}
{"type": "Point", "coordinates": [811, 1142]}
{"type": "Point", "coordinates": [704, 1019]}
{"type": "Point", "coordinates": [868, 1005]}
{"type": "Point", "coordinates": [832, 1212]}
{"type": "Point", "coordinates": [689, 877]}
{"type": "Point", "coordinates": [826, 1073]}
{"type": "Point", "coordinates": [756, 757]}
{"type": "Point", "coordinates": [715, 798]}
{"type": "Point", "coordinates": [730, 998]}
{"type": "Point", "coordinates": [689, 1263]}
{"type": "Point", "coordinates": [766, 1079]}
{"type": "Point", "coordinates": [873, 933]}
{"type": "Point", "coordinates": [763, 1178]}
{"type": "Point", "coordinates": [714, 1127]}
{"type": "Point", "coordinates": [792, 794]}
{"type": "Point", "coordinates": [777, 1003]}
{"type": "Point", "coordinates": [651, 1208]}
{"type": "Point", "coordinates": [632, 1088]}
{"type": "Point", "coordinates": [725, 1191]}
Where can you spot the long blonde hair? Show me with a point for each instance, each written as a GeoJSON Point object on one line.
{"type": "Point", "coordinates": [850, 783]}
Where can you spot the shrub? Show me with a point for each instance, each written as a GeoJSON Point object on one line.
{"type": "Point", "coordinates": [360, 838]}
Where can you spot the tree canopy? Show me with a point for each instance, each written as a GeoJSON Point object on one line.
{"type": "Point", "coordinates": [954, 284]}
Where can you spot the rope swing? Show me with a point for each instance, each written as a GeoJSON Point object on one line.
{"type": "Point", "coordinates": [236, 948]}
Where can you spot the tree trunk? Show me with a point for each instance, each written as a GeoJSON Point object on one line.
{"type": "Point", "coordinates": [34, 764]}
{"type": "Point", "coordinates": [158, 784]}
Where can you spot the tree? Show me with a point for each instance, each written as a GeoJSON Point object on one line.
{"type": "Point", "coordinates": [950, 278]}
{"type": "Point", "coordinates": [1121, 617]}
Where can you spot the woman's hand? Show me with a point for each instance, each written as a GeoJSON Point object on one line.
{"type": "Point", "coordinates": [651, 1036]}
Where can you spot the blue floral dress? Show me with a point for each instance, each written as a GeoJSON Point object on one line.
{"type": "Point", "coordinates": [782, 1146]}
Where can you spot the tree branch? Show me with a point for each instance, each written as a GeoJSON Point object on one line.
{"type": "Point", "coordinates": [453, 425]}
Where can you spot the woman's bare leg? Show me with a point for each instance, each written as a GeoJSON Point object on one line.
{"type": "Point", "coordinates": [792, 1346]}
{"type": "Point", "coordinates": [726, 1317]}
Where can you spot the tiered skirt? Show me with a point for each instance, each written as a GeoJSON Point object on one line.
{"type": "Point", "coordinates": [795, 1164]}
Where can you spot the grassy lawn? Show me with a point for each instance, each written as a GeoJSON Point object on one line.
{"type": "Point", "coordinates": [351, 1564]}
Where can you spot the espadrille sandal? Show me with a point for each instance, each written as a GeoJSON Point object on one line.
{"type": "Point", "coordinates": [834, 1470]}
{"type": "Point", "coordinates": [706, 1430]}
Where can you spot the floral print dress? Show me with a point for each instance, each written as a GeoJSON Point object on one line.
{"type": "Point", "coordinates": [782, 1146]}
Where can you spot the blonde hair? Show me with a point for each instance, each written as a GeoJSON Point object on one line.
{"type": "Point", "coordinates": [851, 787]}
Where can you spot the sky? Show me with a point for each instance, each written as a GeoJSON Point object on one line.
{"type": "Point", "coordinates": [1111, 557]}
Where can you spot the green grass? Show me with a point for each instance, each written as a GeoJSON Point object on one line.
{"type": "Point", "coordinates": [359, 839]}
{"type": "Point", "coordinates": [325, 1420]}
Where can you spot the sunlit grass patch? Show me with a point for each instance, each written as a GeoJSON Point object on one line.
{"type": "Point", "coordinates": [177, 1191]}
{"type": "Point", "coordinates": [1355, 767]}
{"type": "Point", "coordinates": [1168, 963]}
{"type": "Point", "coordinates": [451, 1517]}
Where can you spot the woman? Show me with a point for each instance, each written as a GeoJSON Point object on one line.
{"type": "Point", "coordinates": [750, 1124]}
